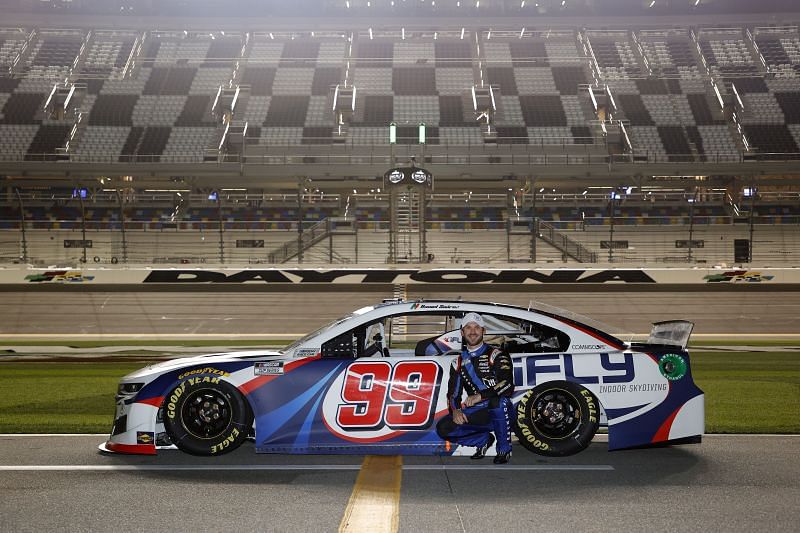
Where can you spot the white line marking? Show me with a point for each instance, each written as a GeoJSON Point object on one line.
{"type": "Point", "coordinates": [288, 467]}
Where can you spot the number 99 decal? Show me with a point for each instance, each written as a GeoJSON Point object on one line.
{"type": "Point", "coordinates": [375, 394]}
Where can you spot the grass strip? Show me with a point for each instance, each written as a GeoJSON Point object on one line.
{"type": "Point", "coordinates": [746, 392]}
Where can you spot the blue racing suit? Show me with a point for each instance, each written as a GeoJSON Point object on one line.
{"type": "Point", "coordinates": [486, 371]}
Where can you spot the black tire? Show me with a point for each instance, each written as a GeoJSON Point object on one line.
{"type": "Point", "coordinates": [206, 416]}
{"type": "Point", "coordinates": [557, 418]}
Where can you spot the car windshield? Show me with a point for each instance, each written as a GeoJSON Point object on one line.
{"type": "Point", "coordinates": [325, 328]}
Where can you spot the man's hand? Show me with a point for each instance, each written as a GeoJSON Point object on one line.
{"type": "Point", "coordinates": [472, 400]}
{"type": "Point", "coordinates": [459, 417]}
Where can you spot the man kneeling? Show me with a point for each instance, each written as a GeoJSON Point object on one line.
{"type": "Point", "coordinates": [485, 373]}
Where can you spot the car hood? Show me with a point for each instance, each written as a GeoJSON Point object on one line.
{"type": "Point", "coordinates": [186, 362]}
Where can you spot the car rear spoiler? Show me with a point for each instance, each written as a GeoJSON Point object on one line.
{"type": "Point", "coordinates": [671, 333]}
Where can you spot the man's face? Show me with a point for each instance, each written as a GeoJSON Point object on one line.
{"type": "Point", "coordinates": [473, 333]}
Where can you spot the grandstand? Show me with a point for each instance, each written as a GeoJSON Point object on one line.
{"type": "Point", "coordinates": [550, 142]}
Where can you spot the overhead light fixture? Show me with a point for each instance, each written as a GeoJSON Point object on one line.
{"type": "Point", "coordinates": [521, 33]}
{"type": "Point", "coordinates": [370, 34]}
{"type": "Point", "coordinates": [652, 3]}
{"type": "Point", "coordinates": [462, 33]}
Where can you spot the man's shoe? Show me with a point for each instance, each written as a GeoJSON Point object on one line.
{"type": "Point", "coordinates": [502, 458]}
{"type": "Point", "coordinates": [480, 453]}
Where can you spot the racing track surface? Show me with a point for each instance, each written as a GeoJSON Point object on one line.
{"type": "Point", "coordinates": [292, 312]}
{"type": "Point", "coordinates": [727, 483]}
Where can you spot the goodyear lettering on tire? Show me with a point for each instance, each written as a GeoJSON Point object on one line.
{"type": "Point", "coordinates": [180, 389]}
{"type": "Point", "coordinates": [227, 441]}
{"type": "Point", "coordinates": [593, 414]}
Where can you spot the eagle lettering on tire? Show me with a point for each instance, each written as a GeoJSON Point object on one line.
{"type": "Point", "coordinates": [207, 416]}
{"type": "Point", "coordinates": [557, 418]}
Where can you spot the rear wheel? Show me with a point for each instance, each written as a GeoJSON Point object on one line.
{"type": "Point", "coordinates": [207, 416]}
{"type": "Point", "coordinates": [557, 418]}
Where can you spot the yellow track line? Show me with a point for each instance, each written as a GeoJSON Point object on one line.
{"type": "Point", "coordinates": [374, 504]}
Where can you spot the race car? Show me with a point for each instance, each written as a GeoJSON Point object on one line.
{"type": "Point", "coordinates": [375, 381]}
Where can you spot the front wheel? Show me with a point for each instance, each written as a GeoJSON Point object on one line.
{"type": "Point", "coordinates": [557, 418]}
{"type": "Point", "coordinates": [206, 416]}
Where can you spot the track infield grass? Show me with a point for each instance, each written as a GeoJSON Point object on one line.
{"type": "Point", "coordinates": [746, 392]}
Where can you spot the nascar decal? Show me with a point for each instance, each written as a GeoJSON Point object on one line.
{"type": "Point", "coordinates": [375, 400]}
{"type": "Point", "coordinates": [59, 276]}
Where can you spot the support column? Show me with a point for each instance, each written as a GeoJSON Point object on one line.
{"type": "Point", "coordinates": [22, 226]}
{"type": "Point", "coordinates": [122, 227]}
{"type": "Point", "coordinates": [221, 229]}
{"type": "Point", "coordinates": [83, 223]}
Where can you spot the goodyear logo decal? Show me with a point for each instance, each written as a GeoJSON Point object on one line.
{"type": "Point", "coordinates": [737, 276]}
{"type": "Point", "coordinates": [59, 276]}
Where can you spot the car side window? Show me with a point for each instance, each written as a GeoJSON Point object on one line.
{"type": "Point", "coordinates": [536, 338]}
{"type": "Point", "coordinates": [343, 346]}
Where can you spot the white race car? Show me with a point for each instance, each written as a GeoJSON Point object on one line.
{"type": "Point", "coordinates": [375, 382]}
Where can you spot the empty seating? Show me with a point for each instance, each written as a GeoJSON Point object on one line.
{"type": "Point", "coordinates": [53, 56]}
{"type": "Point", "coordinates": [285, 110]}
{"type": "Point", "coordinates": [196, 111]}
{"type": "Point", "coordinates": [771, 139]}
{"type": "Point", "coordinates": [567, 79]}
{"type": "Point", "coordinates": [789, 103]}
{"type": "Point", "coordinates": [222, 52]}
{"type": "Point", "coordinates": [324, 79]}
{"type": "Point", "coordinates": [634, 109]}
{"type": "Point", "coordinates": [453, 54]}
{"type": "Point", "coordinates": [107, 56]}
{"type": "Point", "coordinates": [728, 55]}
{"type": "Point", "coordinates": [102, 141]}
{"type": "Point", "coordinates": [21, 108]}
{"type": "Point", "coordinates": [260, 79]}
{"type": "Point", "coordinates": [674, 140]}
{"type": "Point", "coordinates": [700, 110]}
{"type": "Point", "coordinates": [299, 53]}
{"type": "Point", "coordinates": [10, 47]}
{"type": "Point", "coordinates": [671, 56]}
{"type": "Point", "coordinates": [408, 81]}
{"type": "Point", "coordinates": [153, 141]}
{"type": "Point", "coordinates": [503, 77]}
{"type": "Point", "coordinates": [526, 53]}
{"type": "Point", "coordinates": [374, 53]}
{"type": "Point", "coordinates": [113, 110]}
{"type": "Point", "coordinates": [451, 111]}
{"type": "Point", "coordinates": [48, 140]}
{"type": "Point", "coordinates": [169, 81]}
{"type": "Point", "coordinates": [546, 110]}
{"type": "Point", "coordinates": [378, 110]}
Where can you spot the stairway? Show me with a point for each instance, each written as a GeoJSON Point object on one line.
{"type": "Point", "coordinates": [572, 248]}
{"type": "Point", "coordinates": [408, 235]}
{"type": "Point", "coordinates": [308, 238]}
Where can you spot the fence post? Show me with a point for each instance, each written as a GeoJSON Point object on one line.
{"type": "Point", "coordinates": [22, 226]}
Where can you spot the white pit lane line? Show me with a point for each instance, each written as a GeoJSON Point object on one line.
{"type": "Point", "coordinates": [285, 467]}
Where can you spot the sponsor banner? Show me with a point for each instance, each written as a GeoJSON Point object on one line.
{"type": "Point", "coordinates": [429, 276]}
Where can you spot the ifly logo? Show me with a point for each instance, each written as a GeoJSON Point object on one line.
{"type": "Point", "coordinates": [540, 368]}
